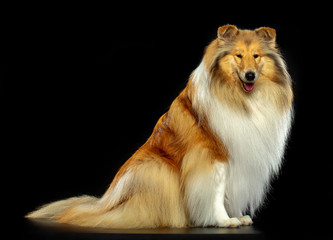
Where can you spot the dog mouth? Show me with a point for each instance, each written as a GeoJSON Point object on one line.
{"type": "Point", "coordinates": [248, 87]}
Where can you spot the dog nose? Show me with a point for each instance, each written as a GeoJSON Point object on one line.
{"type": "Point", "coordinates": [250, 76]}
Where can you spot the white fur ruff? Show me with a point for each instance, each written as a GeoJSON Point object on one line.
{"type": "Point", "coordinates": [255, 143]}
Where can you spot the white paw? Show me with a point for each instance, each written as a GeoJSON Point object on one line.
{"type": "Point", "coordinates": [230, 223]}
{"type": "Point", "coordinates": [245, 220]}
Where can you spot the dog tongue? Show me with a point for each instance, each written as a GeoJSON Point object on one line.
{"type": "Point", "coordinates": [249, 86]}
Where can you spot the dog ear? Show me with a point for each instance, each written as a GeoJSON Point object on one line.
{"type": "Point", "coordinates": [267, 34]}
{"type": "Point", "coordinates": [227, 33]}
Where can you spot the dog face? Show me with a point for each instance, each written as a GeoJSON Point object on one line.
{"type": "Point", "coordinates": [246, 53]}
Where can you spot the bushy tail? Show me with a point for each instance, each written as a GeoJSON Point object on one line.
{"type": "Point", "coordinates": [92, 212]}
{"type": "Point", "coordinates": [84, 211]}
{"type": "Point", "coordinates": [55, 209]}
{"type": "Point", "coordinates": [133, 200]}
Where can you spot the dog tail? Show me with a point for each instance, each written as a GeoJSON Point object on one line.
{"type": "Point", "coordinates": [133, 200]}
{"type": "Point", "coordinates": [56, 211]}
{"type": "Point", "coordinates": [84, 211]}
{"type": "Point", "coordinates": [89, 211]}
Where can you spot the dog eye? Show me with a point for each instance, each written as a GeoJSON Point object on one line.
{"type": "Point", "coordinates": [239, 56]}
{"type": "Point", "coordinates": [255, 55]}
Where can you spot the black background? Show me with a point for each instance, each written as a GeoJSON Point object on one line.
{"type": "Point", "coordinates": [83, 87]}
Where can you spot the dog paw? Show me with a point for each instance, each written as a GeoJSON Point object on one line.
{"type": "Point", "coordinates": [245, 220]}
{"type": "Point", "coordinates": [230, 223]}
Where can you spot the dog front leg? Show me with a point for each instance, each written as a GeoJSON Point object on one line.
{"type": "Point", "coordinates": [204, 196]}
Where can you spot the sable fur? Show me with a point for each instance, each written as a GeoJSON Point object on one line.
{"type": "Point", "coordinates": [210, 158]}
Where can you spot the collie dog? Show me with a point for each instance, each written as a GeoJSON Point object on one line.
{"type": "Point", "coordinates": [210, 158]}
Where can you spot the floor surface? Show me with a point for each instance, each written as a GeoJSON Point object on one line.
{"type": "Point", "coordinates": [46, 230]}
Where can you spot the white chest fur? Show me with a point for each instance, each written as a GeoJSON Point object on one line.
{"type": "Point", "coordinates": [256, 146]}
{"type": "Point", "coordinates": [255, 142]}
